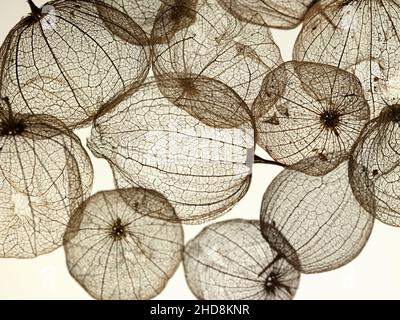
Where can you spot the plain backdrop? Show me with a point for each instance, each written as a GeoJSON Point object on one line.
{"type": "Point", "coordinates": [375, 274]}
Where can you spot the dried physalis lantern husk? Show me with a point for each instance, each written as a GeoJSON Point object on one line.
{"type": "Point", "coordinates": [375, 167]}
{"type": "Point", "coordinates": [199, 154]}
{"type": "Point", "coordinates": [45, 175]}
{"type": "Point", "coordinates": [124, 250]}
{"type": "Point", "coordinates": [310, 115]}
{"type": "Point", "coordinates": [70, 57]}
{"type": "Point", "coordinates": [315, 222]}
{"type": "Point", "coordinates": [230, 260]}
{"type": "Point", "coordinates": [213, 44]}
{"type": "Point", "coordinates": [360, 37]}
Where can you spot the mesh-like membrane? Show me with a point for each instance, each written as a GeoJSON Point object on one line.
{"type": "Point", "coordinates": [120, 250]}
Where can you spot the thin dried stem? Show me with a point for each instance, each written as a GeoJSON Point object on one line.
{"type": "Point", "coordinates": [259, 160]}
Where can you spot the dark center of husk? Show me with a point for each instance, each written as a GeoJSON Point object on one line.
{"type": "Point", "coordinates": [272, 283]}
{"type": "Point", "coordinates": [188, 87]}
{"type": "Point", "coordinates": [12, 128]}
{"type": "Point", "coordinates": [118, 230]}
{"type": "Point", "coordinates": [330, 119]}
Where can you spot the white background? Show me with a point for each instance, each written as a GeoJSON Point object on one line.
{"type": "Point", "coordinates": [375, 274]}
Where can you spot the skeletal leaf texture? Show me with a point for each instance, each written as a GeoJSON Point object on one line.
{"type": "Point", "coordinates": [315, 220]}
{"type": "Point", "coordinates": [45, 175]}
{"type": "Point", "coordinates": [202, 167]}
{"type": "Point", "coordinates": [119, 250]}
{"type": "Point", "coordinates": [230, 260]}
{"type": "Point", "coordinates": [310, 114]}
{"type": "Point", "coordinates": [273, 13]}
{"type": "Point", "coordinates": [146, 12]}
{"type": "Point", "coordinates": [213, 44]}
{"type": "Point", "coordinates": [360, 36]}
{"type": "Point", "coordinates": [375, 167]}
{"type": "Point", "coordinates": [143, 12]}
{"type": "Point", "coordinates": [69, 57]}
